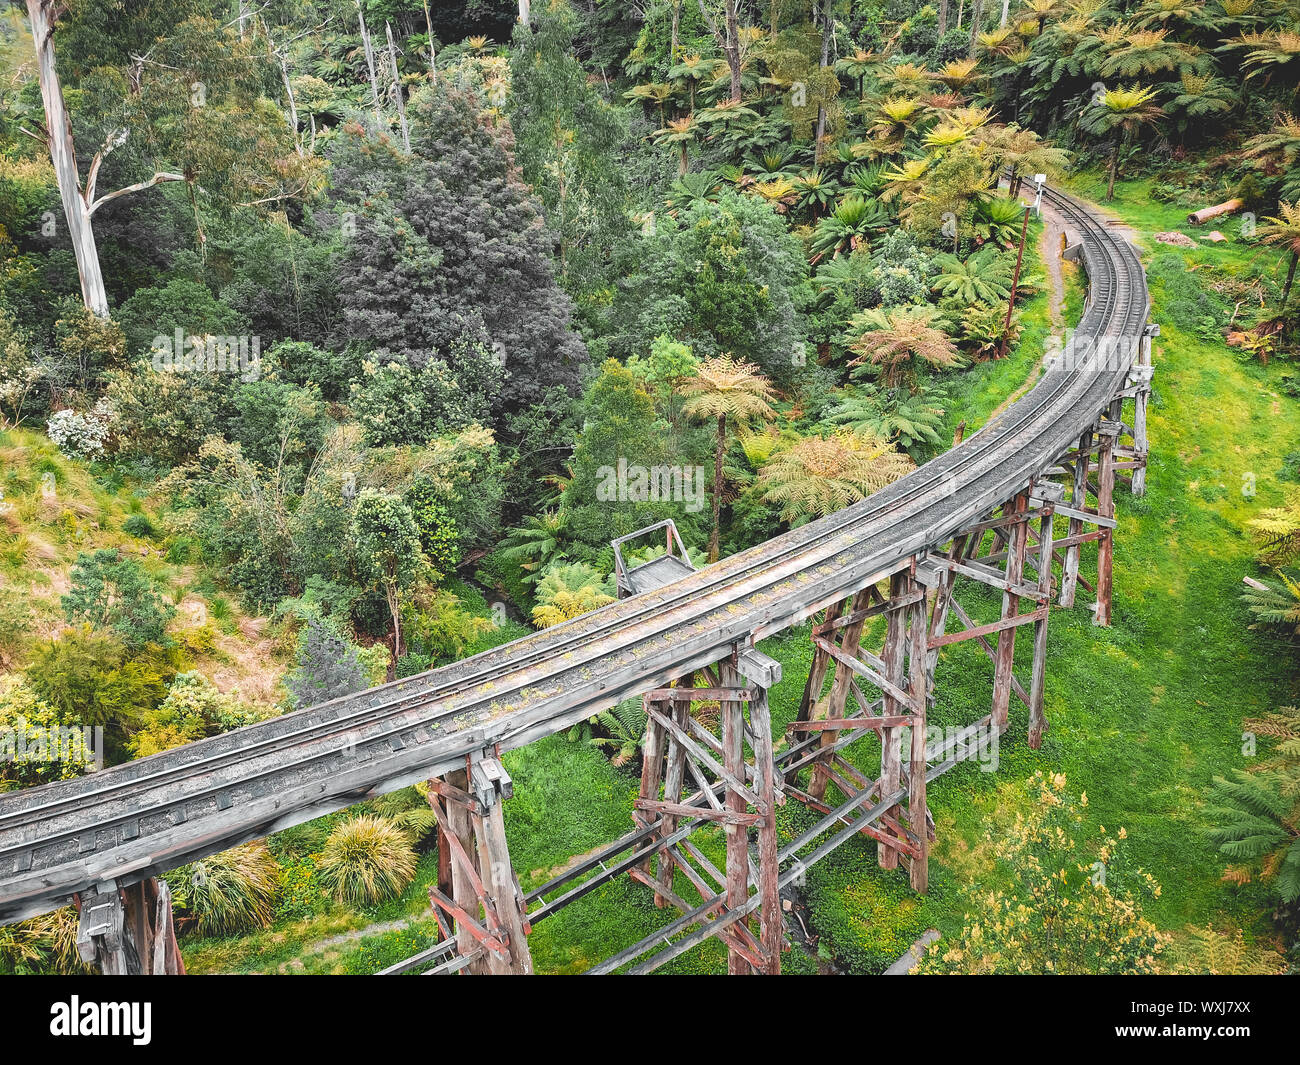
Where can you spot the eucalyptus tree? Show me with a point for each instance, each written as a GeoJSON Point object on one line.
{"type": "Point", "coordinates": [170, 96]}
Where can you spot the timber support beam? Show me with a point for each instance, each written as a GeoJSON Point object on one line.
{"type": "Point", "coordinates": [725, 758]}
{"type": "Point", "coordinates": [129, 931]}
{"type": "Point", "coordinates": [825, 726]}
{"type": "Point", "coordinates": [478, 900]}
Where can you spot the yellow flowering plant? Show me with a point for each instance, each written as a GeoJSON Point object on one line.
{"type": "Point", "coordinates": [1074, 905]}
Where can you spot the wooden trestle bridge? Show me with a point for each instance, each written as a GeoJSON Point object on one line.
{"type": "Point", "coordinates": [983, 512]}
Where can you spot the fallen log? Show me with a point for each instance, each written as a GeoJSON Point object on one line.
{"type": "Point", "coordinates": [1206, 213]}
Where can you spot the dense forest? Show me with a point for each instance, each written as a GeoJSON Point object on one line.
{"type": "Point", "coordinates": [339, 339]}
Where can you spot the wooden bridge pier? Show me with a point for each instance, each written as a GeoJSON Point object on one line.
{"type": "Point", "coordinates": [478, 900]}
{"type": "Point", "coordinates": [899, 673]}
{"type": "Point", "coordinates": [732, 769]}
{"type": "Point", "coordinates": [128, 931]}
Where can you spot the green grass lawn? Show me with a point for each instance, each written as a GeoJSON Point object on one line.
{"type": "Point", "coordinates": [1142, 715]}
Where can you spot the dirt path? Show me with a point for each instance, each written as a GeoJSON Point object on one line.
{"type": "Point", "coordinates": [335, 944]}
{"type": "Point", "coordinates": [1049, 248]}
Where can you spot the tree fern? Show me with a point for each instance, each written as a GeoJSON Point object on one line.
{"type": "Point", "coordinates": [626, 725]}
{"type": "Point", "coordinates": [820, 475]}
{"type": "Point", "coordinates": [1277, 530]}
{"type": "Point", "coordinates": [894, 414]}
{"type": "Point", "coordinates": [1275, 602]}
{"type": "Point", "coordinates": [1259, 811]}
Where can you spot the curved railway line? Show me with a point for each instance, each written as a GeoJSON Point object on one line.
{"type": "Point", "coordinates": [132, 821]}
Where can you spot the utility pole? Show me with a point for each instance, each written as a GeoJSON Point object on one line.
{"type": "Point", "coordinates": [1015, 281]}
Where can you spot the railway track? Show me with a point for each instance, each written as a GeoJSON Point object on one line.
{"type": "Point", "coordinates": [150, 815]}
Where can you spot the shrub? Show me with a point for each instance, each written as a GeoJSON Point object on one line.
{"type": "Point", "coordinates": [113, 592]}
{"type": "Point", "coordinates": [90, 679]}
{"type": "Point", "coordinates": [139, 526]}
{"type": "Point", "coordinates": [365, 861]}
{"type": "Point", "coordinates": [193, 709]}
{"type": "Point", "coordinates": [228, 893]}
{"type": "Point", "coordinates": [78, 434]}
{"type": "Point", "coordinates": [87, 346]}
{"type": "Point", "coordinates": [19, 372]}
{"type": "Point", "coordinates": [396, 404]}
{"type": "Point", "coordinates": [412, 663]}
{"type": "Point", "coordinates": [328, 666]}
{"type": "Point", "coordinates": [164, 416]}
{"type": "Point", "coordinates": [280, 425]}
{"type": "Point", "coordinates": [439, 536]}
{"type": "Point", "coordinates": [26, 729]}
{"type": "Point", "coordinates": [567, 591]}
{"type": "Point", "coordinates": [1071, 909]}
{"type": "Point", "coordinates": [179, 304]}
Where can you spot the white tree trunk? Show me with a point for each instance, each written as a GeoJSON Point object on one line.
{"type": "Point", "coordinates": [525, 11]}
{"type": "Point", "coordinates": [64, 157]}
{"type": "Point", "coordinates": [370, 65]}
{"type": "Point", "coordinates": [1006, 8]}
{"type": "Point", "coordinates": [433, 59]}
{"type": "Point", "coordinates": [397, 89]}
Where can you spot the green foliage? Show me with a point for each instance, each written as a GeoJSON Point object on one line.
{"type": "Point", "coordinates": [32, 734]}
{"type": "Point", "coordinates": [411, 281]}
{"type": "Point", "coordinates": [619, 730]}
{"type": "Point", "coordinates": [1075, 907]}
{"type": "Point", "coordinates": [239, 512]}
{"type": "Point", "coordinates": [388, 549]}
{"type": "Point", "coordinates": [439, 537]}
{"type": "Point", "coordinates": [912, 421]}
{"type": "Point", "coordinates": [182, 304]}
{"type": "Point", "coordinates": [111, 591]}
{"type": "Point", "coordinates": [982, 278]}
{"type": "Point", "coordinates": [721, 277]}
{"type": "Point", "coordinates": [87, 347]}
{"type": "Point", "coordinates": [820, 475]}
{"type": "Point", "coordinates": [621, 427]}
{"type": "Point", "coordinates": [849, 225]}
{"type": "Point", "coordinates": [139, 526]}
{"type": "Point", "coordinates": [900, 271]}
{"type": "Point", "coordinates": [1257, 810]}
{"type": "Point", "coordinates": [567, 590]}
{"type": "Point", "coordinates": [566, 137]}
{"type": "Point", "coordinates": [301, 363]}
{"type": "Point", "coordinates": [88, 678]}
{"type": "Point", "coordinates": [281, 425]}
{"type": "Point", "coordinates": [365, 861]}
{"type": "Point", "coordinates": [900, 341]}
{"type": "Point", "coordinates": [442, 628]}
{"type": "Point", "coordinates": [164, 417]}
{"type": "Point", "coordinates": [537, 543]}
{"type": "Point", "coordinates": [228, 893]}
{"type": "Point", "coordinates": [20, 375]}
{"type": "Point", "coordinates": [398, 405]}
{"type": "Point", "coordinates": [194, 708]}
